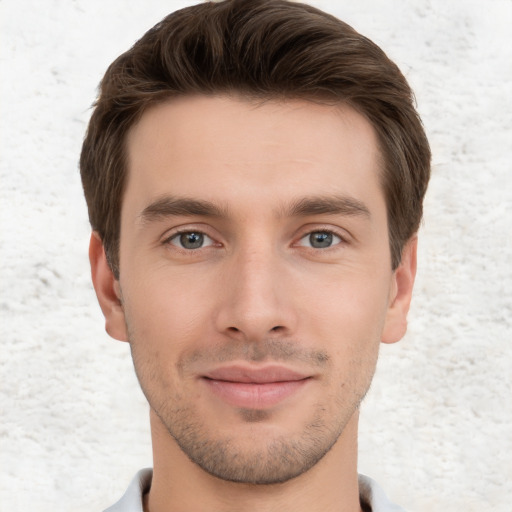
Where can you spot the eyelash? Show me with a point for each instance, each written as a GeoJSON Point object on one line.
{"type": "Point", "coordinates": [342, 240]}
{"type": "Point", "coordinates": [169, 239]}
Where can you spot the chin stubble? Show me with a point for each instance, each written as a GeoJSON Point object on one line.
{"type": "Point", "coordinates": [258, 460]}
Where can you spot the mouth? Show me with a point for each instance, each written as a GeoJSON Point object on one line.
{"type": "Point", "coordinates": [254, 388]}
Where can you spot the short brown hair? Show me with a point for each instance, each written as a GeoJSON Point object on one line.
{"type": "Point", "coordinates": [261, 49]}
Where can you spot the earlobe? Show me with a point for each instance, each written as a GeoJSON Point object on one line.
{"type": "Point", "coordinates": [107, 290]}
{"type": "Point", "coordinates": [400, 300]}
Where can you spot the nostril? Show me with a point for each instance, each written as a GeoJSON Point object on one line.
{"type": "Point", "coordinates": [277, 328]}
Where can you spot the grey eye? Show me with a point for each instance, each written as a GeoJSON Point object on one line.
{"type": "Point", "coordinates": [191, 240]}
{"type": "Point", "coordinates": [320, 240]}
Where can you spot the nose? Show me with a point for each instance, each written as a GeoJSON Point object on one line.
{"type": "Point", "coordinates": [256, 298]}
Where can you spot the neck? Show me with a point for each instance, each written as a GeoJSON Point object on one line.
{"type": "Point", "coordinates": [179, 485]}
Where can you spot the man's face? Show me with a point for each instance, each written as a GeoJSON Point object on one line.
{"type": "Point", "coordinates": [255, 278]}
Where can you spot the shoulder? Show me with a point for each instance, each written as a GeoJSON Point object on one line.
{"type": "Point", "coordinates": [374, 498]}
{"type": "Point", "coordinates": [132, 498]}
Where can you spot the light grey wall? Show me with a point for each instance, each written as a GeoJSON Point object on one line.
{"type": "Point", "coordinates": [436, 426]}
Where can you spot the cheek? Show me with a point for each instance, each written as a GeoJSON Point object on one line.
{"type": "Point", "coordinates": [159, 334]}
{"type": "Point", "coordinates": [161, 328]}
{"type": "Point", "coordinates": [347, 318]}
{"type": "Point", "coordinates": [166, 306]}
{"type": "Point", "coordinates": [348, 305]}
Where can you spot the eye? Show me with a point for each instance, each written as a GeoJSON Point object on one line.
{"type": "Point", "coordinates": [190, 240]}
{"type": "Point", "coordinates": [320, 240]}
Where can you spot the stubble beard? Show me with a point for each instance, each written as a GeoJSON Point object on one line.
{"type": "Point", "coordinates": [256, 461]}
{"type": "Point", "coordinates": [259, 460]}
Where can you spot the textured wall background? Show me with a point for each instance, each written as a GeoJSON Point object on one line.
{"type": "Point", "coordinates": [436, 429]}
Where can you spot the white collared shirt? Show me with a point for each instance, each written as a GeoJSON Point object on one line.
{"type": "Point", "coordinates": [370, 492]}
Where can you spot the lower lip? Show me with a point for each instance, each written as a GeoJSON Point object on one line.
{"type": "Point", "coordinates": [254, 396]}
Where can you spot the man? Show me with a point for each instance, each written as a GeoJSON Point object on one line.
{"type": "Point", "coordinates": [254, 172]}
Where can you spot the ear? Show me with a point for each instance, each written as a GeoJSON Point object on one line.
{"type": "Point", "coordinates": [107, 289]}
{"type": "Point", "coordinates": [401, 293]}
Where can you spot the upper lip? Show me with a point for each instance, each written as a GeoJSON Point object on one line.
{"type": "Point", "coordinates": [262, 375]}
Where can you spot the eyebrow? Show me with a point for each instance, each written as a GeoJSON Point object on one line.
{"type": "Point", "coordinates": [328, 205]}
{"type": "Point", "coordinates": [169, 206]}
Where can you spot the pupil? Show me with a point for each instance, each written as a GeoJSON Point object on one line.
{"type": "Point", "coordinates": [191, 240]}
{"type": "Point", "coordinates": [320, 240]}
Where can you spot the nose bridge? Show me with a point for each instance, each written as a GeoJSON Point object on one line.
{"type": "Point", "coordinates": [256, 301]}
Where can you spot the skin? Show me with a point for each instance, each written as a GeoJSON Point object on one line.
{"type": "Point", "coordinates": [289, 266]}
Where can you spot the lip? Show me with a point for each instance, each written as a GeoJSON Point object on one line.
{"type": "Point", "coordinates": [263, 375]}
{"type": "Point", "coordinates": [254, 388]}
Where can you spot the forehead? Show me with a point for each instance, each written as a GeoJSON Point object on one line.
{"type": "Point", "coordinates": [228, 149]}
